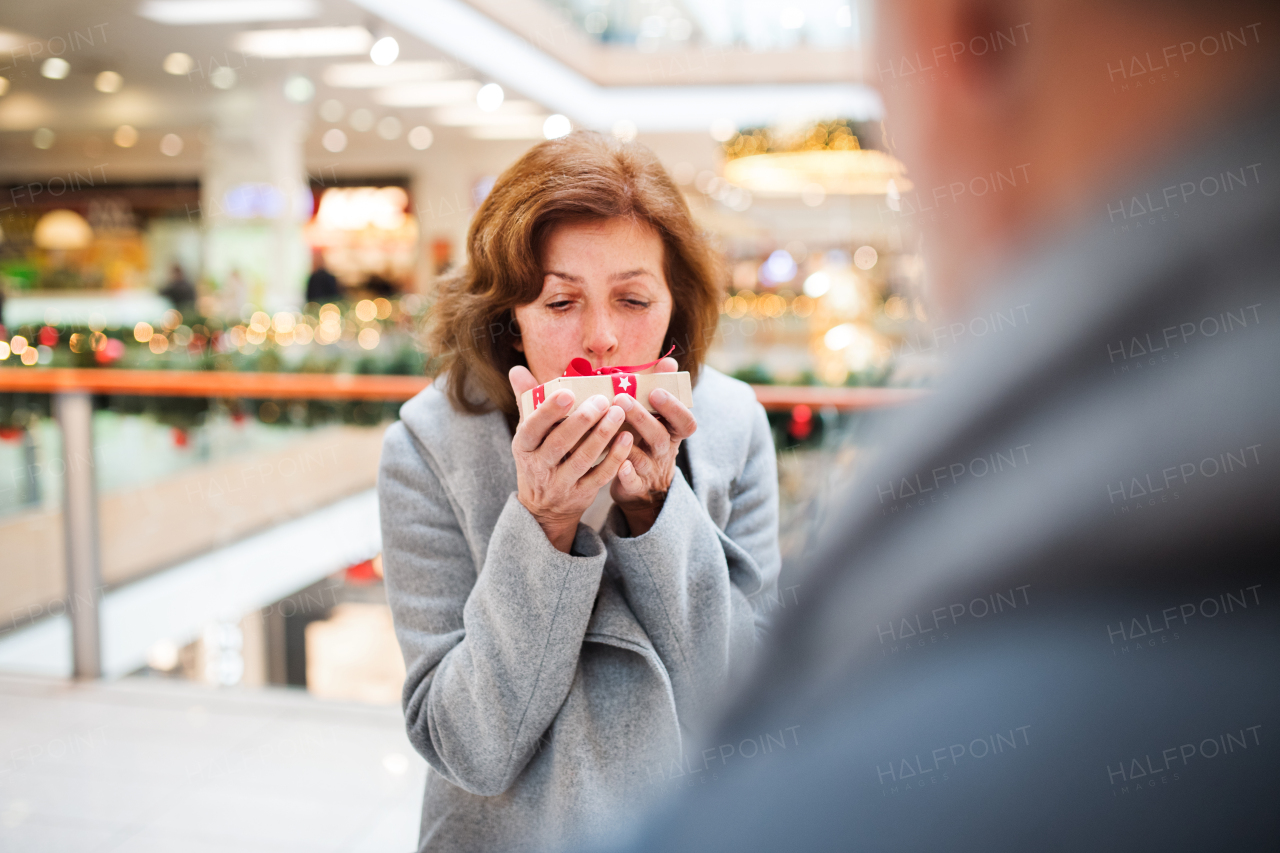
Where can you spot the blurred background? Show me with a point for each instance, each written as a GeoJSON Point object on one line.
{"type": "Point", "coordinates": [218, 212]}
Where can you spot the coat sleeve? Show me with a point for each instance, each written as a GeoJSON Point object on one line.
{"type": "Point", "coordinates": [702, 594]}
{"type": "Point", "coordinates": [489, 658]}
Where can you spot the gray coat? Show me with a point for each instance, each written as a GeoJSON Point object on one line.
{"type": "Point", "coordinates": [547, 690]}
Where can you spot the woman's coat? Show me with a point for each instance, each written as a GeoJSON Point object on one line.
{"type": "Point", "coordinates": [551, 693]}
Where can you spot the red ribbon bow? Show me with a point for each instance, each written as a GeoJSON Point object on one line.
{"type": "Point", "coordinates": [582, 367]}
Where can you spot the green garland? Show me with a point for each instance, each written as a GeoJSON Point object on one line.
{"type": "Point", "coordinates": [208, 344]}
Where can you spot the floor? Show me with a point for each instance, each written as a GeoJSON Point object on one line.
{"type": "Point", "coordinates": [161, 765]}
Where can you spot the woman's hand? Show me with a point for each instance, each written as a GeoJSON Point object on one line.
{"type": "Point", "coordinates": [644, 478]}
{"type": "Point", "coordinates": [554, 477]}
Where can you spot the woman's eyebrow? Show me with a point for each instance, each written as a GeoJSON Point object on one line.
{"type": "Point", "coordinates": [622, 276]}
{"type": "Point", "coordinates": [576, 279]}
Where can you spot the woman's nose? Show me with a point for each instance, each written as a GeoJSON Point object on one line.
{"type": "Point", "coordinates": [598, 335]}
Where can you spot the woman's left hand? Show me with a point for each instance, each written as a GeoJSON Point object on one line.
{"type": "Point", "coordinates": [643, 480]}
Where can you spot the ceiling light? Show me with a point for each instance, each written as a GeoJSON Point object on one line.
{"type": "Point", "coordinates": [182, 12]}
{"type": "Point", "coordinates": [171, 145]}
{"type": "Point", "coordinates": [813, 161]}
{"type": "Point", "coordinates": [178, 64]}
{"type": "Point", "coordinates": [361, 120]}
{"type": "Point", "coordinates": [489, 98]}
{"type": "Point", "coordinates": [43, 138]}
{"type": "Point", "coordinates": [55, 68]}
{"type": "Point", "coordinates": [556, 126]}
{"type": "Point", "coordinates": [332, 110]}
{"type": "Point", "coordinates": [108, 82]}
{"type": "Point", "coordinates": [779, 268]}
{"type": "Point", "coordinates": [125, 136]}
{"type": "Point", "coordinates": [366, 75]}
{"type": "Point", "coordinates": [299, 89]}
{"type": "Point", "coordinates": [420, 138]}
{"type": "Point", "coordinates": [841, 336]}
{"type": "Point", "coordinates": [11, 42]}
{"type": "Point", "coordinates": [865, 172]}
{"type": "Point", "coordinates": [384, 51]}
{"type": "Point", "coordinates": [62, 229]}
{"type": "Point", "coordinates": [334, 140]}
{"type": "Point", "coordinates": [389, 128]}
{"type": "Point", "coordinates": [313, 41]}
{"type": "Point", "coordinates": [436, 94]}
{"type": "Point", "coordinates": [223, 77]}
{"type": "Point", "coordinates": [817, 284]}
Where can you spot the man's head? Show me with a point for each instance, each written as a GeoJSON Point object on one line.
{"type": "Point", "coordinates": [1015, 116]}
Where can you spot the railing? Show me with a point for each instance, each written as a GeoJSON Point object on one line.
{"type": "Point", "coordinates": [210, 383]}
{"type": "Point", "coordinates": [344, 386]}
{"type": "Point", "coordinates": [73, 387]}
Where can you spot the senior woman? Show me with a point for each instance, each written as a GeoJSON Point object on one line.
{"type": "Point", "coordinates": [567, 628]}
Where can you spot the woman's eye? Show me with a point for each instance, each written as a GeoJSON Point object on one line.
{"type": "Point", "coordinates": [636, 303]}
{"type": "Point", "coordinates": [560, 304]}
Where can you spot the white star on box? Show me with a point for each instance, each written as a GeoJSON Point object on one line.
{"type": "Point", "coordinates": [624, 382]}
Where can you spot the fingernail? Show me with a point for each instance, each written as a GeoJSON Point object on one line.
{"type": "Point", "coordinates": [598, 403]}
{"type": "Point", "coordinates": [626, 401]}
{"type": "Point", "coordinates": [659, 395]}
{"type": "Point", "coordinates": [564, 399]}
{"type": "Point", "coordinates": [615, 414]}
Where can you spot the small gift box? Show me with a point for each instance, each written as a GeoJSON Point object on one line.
{"type": "Point", "coordinates": [585, 382]}
{"type": "Point", "coordinates": [638, 385]}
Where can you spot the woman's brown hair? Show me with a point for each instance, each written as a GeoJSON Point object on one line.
{"type": "Point", "coordinates": [584, 175]}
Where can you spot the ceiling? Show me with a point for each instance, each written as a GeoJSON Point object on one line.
{"type": "Point", "coordinates": [541, 55]}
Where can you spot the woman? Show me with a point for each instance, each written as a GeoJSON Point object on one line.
{"type": "Point", "coordinates": [559, 649]}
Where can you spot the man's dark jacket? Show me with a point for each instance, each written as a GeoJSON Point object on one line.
{"type": "Point", "coordinates": [1046, 617]}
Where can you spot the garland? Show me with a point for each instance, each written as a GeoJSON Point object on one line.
{"type": "Point", "coordinates": [371, 337]}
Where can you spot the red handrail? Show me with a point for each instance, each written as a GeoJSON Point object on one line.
{"type": "Point", "coordinates": [346, 386]}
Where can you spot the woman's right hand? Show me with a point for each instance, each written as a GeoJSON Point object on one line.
{"type": "Point", "coordinates": [555, 481]}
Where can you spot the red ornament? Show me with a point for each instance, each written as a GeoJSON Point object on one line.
{"type": "Point", "coordinates": [801, 424]}
{"type": "Point", "coordinates": [110, 352]}
{"type": "Point", "coordinates": [362, 573]}
{"type": "Point", "coordinates": [48, 336]}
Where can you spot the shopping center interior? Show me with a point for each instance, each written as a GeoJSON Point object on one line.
{"type": "Point", "coordinates": [214, 187]}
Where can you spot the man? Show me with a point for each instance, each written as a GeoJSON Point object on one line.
{"type": "Point", "coordinates": [1045, 617]}
{"type": "Point", "coordinates": [322, 285]}
{"type": "Point", "coordinates": [178, 290]}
